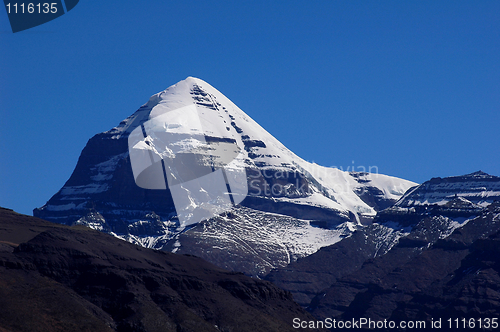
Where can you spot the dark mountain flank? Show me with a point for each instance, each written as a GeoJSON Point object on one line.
{"type": "Point", "coordinates": [455, 277]}
{"type": "Point", "coordinates": [433, 254]}
{"type": "Point", "coordinates": [60, 278]}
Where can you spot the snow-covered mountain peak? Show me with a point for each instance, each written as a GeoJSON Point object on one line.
{"type": "Point", "coordinates": [274, 172]}
{"type": "Point", "coordinates": [278, 181]}
{"type": "Point", "coordinates": [174, 97]}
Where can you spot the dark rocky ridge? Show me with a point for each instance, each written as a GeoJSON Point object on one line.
{"type": "Point", "coordinates": [478, 187]}
{"type": "Point", "coordinates": [59, 278]}
{"type": "Point", "coordinates": [308, 276]}
{"type": "Point", "coordinates": [122, 193]}
{"type": "Point", "coordinates": [417, 249]}
{"type": "Point", "coordinates": [455, 277]}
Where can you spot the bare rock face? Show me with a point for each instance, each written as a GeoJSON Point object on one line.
{"type": "Point", "coordinates": [454, 277]}
{"type": "Point", "coordinates": [311, 275]}
{"type": "Point", "coordinates": [60, 278]}
{"type": "Point", "coordinates": [308, 205]}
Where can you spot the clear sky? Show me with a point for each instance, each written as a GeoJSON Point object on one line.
{"type": "Point", "coordinates": [411, 87]}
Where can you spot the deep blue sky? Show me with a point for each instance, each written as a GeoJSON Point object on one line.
{"type": "Point", "coordinates": [412, 87]}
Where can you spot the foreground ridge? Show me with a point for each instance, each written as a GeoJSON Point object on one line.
{"type": "Point", "coordinates": [60, 278]}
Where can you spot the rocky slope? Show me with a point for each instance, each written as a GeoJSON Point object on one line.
{"type": "Point", "coordinates": [408, 256]}
{"type": "Point", "coordinates": [313, 205]}
{"type": "Point", "coordinates": [455, 277]}
{"type": "Point", "coordinates": [60, 278]}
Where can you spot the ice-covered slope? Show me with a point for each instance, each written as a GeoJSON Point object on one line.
{"type": "Point", "coordinates": [102, 191]}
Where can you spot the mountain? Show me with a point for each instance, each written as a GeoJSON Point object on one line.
{"type": "Point", "coordinates": [284, 208]}
{"type": "Point", "coordinates": [59, 278]}
{"type": "Point", "coordinates": [434, 253]}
